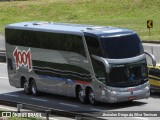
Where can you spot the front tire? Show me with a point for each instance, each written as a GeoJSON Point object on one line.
{"type": "Point", "coordinates": [91, 97]}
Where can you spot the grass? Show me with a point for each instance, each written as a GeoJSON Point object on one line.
{"type": "Point", "coordinates": [132, 14]}
{"type": "Point", "coordinates": [18, 118]}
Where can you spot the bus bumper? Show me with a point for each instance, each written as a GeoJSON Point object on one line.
{"type": "Point", "coordinates": [128, 94]}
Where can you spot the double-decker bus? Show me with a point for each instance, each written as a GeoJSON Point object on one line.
{"type": "Point", "coordinates": [92, 63]}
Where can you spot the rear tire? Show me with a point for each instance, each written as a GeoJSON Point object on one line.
{"type": "Point", "coordinates": [91, 97]}
{"type": "Point", "coordinates": [34, 88]}
{"type": "Point", "coordinates": [27, 87]}
{"type": "Point", "coordinates": [81, 96]}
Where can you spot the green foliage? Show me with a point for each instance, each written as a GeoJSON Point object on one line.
{"type": "Point", "coordinates": [18, 118]}
{"type": "Point", "coordinates": [132, 14]}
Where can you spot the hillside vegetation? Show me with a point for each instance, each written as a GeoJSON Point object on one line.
{"type": "Point", "coordinates": [132, 14]}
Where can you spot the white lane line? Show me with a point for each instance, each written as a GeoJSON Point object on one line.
{"type": "Point", "coordinates": [94, 109]}
{"type": "Point", "coordinates": [50, 118]}
{"type": "Point", "coordinates": [141, 118]}
{"type": "Point", "coordinates": [5, 108]}
{"type": "Point", "coordinates": [3, 63]}
{"type": "Point", "coordinates": [11, 95]}
{"type": "Point", "coordinates": [39, 99]}
{"type": "Point", "coordinates": [68, 104]}
{"type": "Point", "coordinates": [4, 78]}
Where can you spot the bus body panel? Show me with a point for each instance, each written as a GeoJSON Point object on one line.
{"type": "Point", "coordinates": [61, 70]}
{"type": "Point", "coordinates": [46, 83]}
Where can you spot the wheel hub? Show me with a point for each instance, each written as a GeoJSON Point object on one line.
{"type": "Point", "coordinates": [91, 97]}
{"type": "Point", "coordinates": [33, 89]}
{"type": "Point", "coordinates": [81, 95]}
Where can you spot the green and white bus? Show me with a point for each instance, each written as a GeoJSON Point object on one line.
{"type": "Point", "coordinates": [92, 63]}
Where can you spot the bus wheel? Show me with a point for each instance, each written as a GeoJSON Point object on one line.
{"type": "Point", "coordinates": [27, 87]}
{"type": "Point", "coordinates": [34, 88]}
{"type": "Point", "coordinates": [91, 97]}
{"type": "Point", "coordinates": [81, 96]}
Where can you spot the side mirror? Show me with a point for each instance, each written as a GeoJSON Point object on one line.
{"type": "Point", "coordinates": [152, 57]}
{"type": "Point", "coordinates": [106, 64]}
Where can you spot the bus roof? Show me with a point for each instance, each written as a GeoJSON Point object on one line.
{"type": "Point", "coordinates": [70, 28]}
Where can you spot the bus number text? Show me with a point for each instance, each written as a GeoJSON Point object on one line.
{"type": "Point", "coordinates": [22, 58]}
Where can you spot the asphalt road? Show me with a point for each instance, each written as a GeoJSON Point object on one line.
{"type": "Point", "coordinates": [2, 43]}
{"type": "Point", "coordinates": [8, 92]}
{"type": "Point", "coordinates": [154, 49]}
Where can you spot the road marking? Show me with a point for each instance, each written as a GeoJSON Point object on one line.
{"type": "Point", "coordinates": [5, 108]}
{"type": "Point", "coordinates": [3, 63]}
{"type": "Point", "coordinates": [147, 50]}
{"type": "Point", "coordinates": [4, 78]}
{"type": "Point", "coordinates": [38, 99]}
{"type": "Point", "coordinates": [51, 118]}
{"type": "Point", "coordinates": [11, 95]}
{"type": "Point", "coordinates": [141, 118]}
{"type": "Point", "coordinates": [150, 45]}
{"type": "Point", "coordinates": [68, 105]}
{"type": "Point", "coordinates": [94, 109]}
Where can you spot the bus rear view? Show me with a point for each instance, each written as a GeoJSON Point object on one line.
{"type": "Point", "coordinates": [92, 63]}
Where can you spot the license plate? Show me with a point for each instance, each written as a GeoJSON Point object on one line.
{"type": "Point", "coordinates": [132, 98]}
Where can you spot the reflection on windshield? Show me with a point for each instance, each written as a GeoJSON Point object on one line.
{"type": "Point", "coordinates": [128, 75]}
{"type": "Point", "coordinates": [122, 46]}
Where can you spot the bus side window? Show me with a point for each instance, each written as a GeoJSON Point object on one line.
{"type": "Point", "coordinates": [25, 38]}
{"type": "Point", "coordinates": [94, 49]}
{"type": "Point", "coordinates": [99, 70]}
{"type": "Point", "coordinates": [93, 45]}
{"type": "Point", "coordinates": [62, 42]}
{"type": "Point", "coordinates": [73, 43]}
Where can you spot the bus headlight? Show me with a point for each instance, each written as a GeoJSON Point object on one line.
{"type": "Point", "coordinates": [110, 91]}
{"type": "Point", "coordinates": [147, 88]}
{"type": "Point", "coordinates": [113, 92]}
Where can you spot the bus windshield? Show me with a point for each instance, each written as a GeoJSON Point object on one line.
{"type": "Point", "coordinates": [128, 75]}
{"type": "Point", "coordinates": [119, 47]}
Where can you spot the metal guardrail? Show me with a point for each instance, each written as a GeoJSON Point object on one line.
{"type": "Point", "coordinates": [48, 112]}
{"type": "Point", "coordinates": [2, 56]}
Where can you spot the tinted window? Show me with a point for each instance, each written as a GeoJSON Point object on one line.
{"type": "Point", "coordinates": [46, 40]}
{"type": "Point", "coordinates": [122, 46]}
{"type": "Point", "coordinates": [99, 70]}
{"type": "Point", "coordinates": [93, 45]}
{"type": "Point", "coordinates": [94, 49]}
{"type": "Point", "coordinates": [62, 42]}
{"type": "Point", "coordinates": [127, 75]}
{"type": "Point", "coordinates": [66, 71]}
{"type": "Point", "coordinates": [22, 38]}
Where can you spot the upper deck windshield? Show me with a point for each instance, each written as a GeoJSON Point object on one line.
{"type": "Point", "coordinates": [118, 47]}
